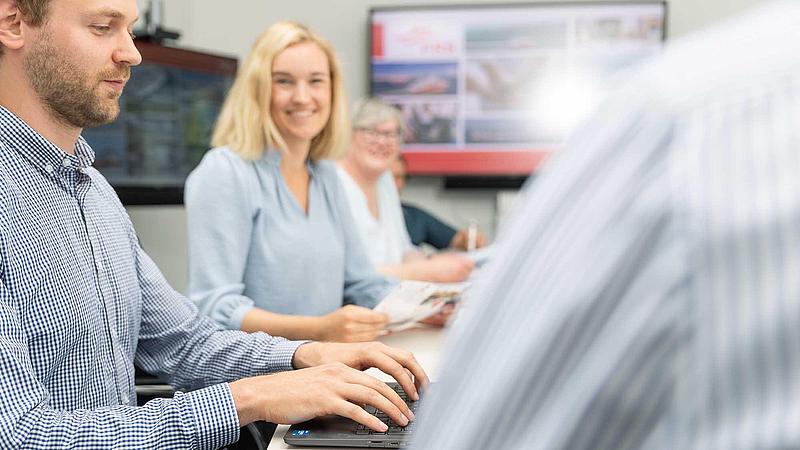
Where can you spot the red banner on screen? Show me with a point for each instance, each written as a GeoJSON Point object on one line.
{"type": "Point", "coordinates": [490, 162]}
{"type": "Point", "coordinates": [377, 40]}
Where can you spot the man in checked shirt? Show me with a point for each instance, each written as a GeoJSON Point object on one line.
{"type": "Point", "coordinates": [80, 302]}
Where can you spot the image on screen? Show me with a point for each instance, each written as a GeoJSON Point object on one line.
{"type": "Point", "coordinates": [495, 89]}
{"type": "Point", "coordinates": [167, 114]}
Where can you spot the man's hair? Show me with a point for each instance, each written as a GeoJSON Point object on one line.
{"type": "Point", "coordinates": [245, 124]}
{"type": "Point", "coordinates": [34, 12]}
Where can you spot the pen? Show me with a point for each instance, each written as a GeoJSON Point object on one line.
{"type": "Point", "coordinates": [472, 235]}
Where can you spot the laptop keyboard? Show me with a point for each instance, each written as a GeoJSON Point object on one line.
{"type": "Point", "coordinates": [393, 427]}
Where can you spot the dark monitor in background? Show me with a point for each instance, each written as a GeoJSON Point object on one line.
{"type": "Point", "coordinates": [167, 114]}
{"type": "Point", "coordinates": [493, 90]}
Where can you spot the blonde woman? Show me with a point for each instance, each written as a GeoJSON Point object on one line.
{"type": "Point", "coordinates": [271, 241]}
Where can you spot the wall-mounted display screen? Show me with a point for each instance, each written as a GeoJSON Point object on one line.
{"type": "Point", "coordinates": [492, 90]}
{"type": "Point", "coordinates": [167, 114]}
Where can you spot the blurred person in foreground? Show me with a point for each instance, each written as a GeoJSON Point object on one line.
{"type": "Point", "coordinates": [375, 204]}
{"type": "Point", "coordinates": [425, 228]}
{"type": "Point", "coordinates": [81, 302]}
{"type": "Point", "coordinates": [647, 293]}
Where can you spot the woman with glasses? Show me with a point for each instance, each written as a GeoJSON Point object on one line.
{"type": "Point", "coordinates": [272, 244]}
{"type": "Point", "coordinates": [375, 204]}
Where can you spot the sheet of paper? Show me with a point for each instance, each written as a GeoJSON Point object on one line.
{"type": "Point", "coordinates": [412, 301]}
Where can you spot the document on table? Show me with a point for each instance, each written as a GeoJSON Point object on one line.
{"type": "Point", "coordinates": [412, 301]}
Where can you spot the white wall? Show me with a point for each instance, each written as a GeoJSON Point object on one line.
{"type": "Point", "coordinates": [231, 27]}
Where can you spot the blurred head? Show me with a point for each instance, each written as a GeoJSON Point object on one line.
{"type": "Point", "coordinates": [289, 90]}
{"type": "Point", "coordinates": [75, 55]}
{"type": "Point", "coordinates": [399, 170]}
{"type": "Point", "coordinates": [377, 135]}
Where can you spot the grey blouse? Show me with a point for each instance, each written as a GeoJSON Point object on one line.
{"type": "Point", "coordinates": [251, 244]}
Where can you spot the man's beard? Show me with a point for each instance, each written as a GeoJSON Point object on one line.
{"type": "Point", "coordinates": [69, 93]}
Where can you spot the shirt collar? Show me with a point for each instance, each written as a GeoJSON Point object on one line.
{"type": "Point", "coordinates": [273, 157]}
{"type": "Point", "coordinates": [19, 136]}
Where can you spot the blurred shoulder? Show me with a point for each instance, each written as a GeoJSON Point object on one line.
{"type": "Point", "coordinates": [223, 158]}
{"type": "Point", "coordinates": [727, 60]}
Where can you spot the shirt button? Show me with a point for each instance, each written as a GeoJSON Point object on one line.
{"type": "Point", "coordinates": [66, 162]}
{"type": "Point", "coordinates": [49, 168]}
{"type": "Point", "coordinates": [125, 399]}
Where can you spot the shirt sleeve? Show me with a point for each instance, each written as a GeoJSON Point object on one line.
{"type": "Point", "coordinates": [219, 242]}
{"type": "Point", "coordinates": [180, 344]}
{"type": "Point", "coordinates": [431, 230]}
{"type": "Point", "coordinates": [189, 350]}
{"type": "Point", "coordinates": [571, 337]}
{"type": "Point", "coordinates": [203, 419]}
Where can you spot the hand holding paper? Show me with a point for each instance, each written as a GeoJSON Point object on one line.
{"type": "Point", "coordinates": [412, 301]}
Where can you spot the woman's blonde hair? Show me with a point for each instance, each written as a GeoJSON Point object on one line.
{"type": "Point", "coordinates": [245, 124]}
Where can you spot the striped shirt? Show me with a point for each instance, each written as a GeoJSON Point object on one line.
{"type": "Point", "coordinates": [80, 303]}
{"type": "Point", "coordinates": [647, 292]}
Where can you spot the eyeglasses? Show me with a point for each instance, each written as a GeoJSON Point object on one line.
{"type": "Point", "coordinates": [375, 135]}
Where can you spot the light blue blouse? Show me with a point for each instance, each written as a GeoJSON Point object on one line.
{"type": "Point", "coordinates": [251, 244]}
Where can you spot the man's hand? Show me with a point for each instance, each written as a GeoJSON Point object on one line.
{"type": "Point", "coordinates": [330, 381]}
{"type": "Point", "coordinates": [400, 364]}
{"type": "Point", "coordinates": [334, 388]}
{"type": "Point", "coordinates": [351, 323]}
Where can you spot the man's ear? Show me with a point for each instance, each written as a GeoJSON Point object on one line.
{"type": "Point", "coordinates": [10, 25]}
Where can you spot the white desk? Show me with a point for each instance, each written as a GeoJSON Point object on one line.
{"type": "Point", "coordinates": [426, 343]}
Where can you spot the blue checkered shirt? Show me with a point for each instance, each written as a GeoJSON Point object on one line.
{"type": "Point", "coordinates": [80, 303]}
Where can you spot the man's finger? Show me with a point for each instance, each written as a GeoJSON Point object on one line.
{"type": "Point", "coordinates": [381, 398]}
{"type": "Point", "coordinates": [360, 378]}
{"type": "Point", "coordinates": [352, 411]}
{"type": "Point", "coordinates": [389, 365]}
{"type": "Point", "coordinates": [407, 360]}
